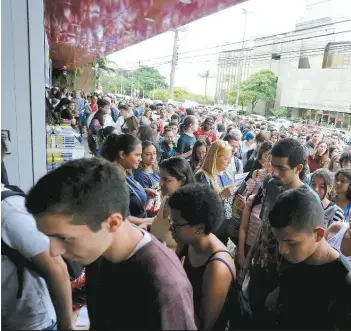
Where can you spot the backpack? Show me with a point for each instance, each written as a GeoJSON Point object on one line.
{"type": "Point", "coordinates": [21, 263]}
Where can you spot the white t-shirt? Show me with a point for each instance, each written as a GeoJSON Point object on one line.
{"type": "Point", "coordinates": [34, 310]}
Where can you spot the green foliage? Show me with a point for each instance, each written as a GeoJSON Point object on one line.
{"type": "Point", "coordinates": [158, 95]}
{"type": "Point", "coordinates": [279, 112]}
{"type": "Point", "coordinates": [260, 86]}
{"type": "Point", "coordinates": [144, 79]}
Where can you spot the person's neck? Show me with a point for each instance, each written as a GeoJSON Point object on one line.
{"type": "Point", "coordinates": [121, 168]}
{"type": "Point", "coordinates": [149, 168]}
{"type": "Point", "coordinates": [123, 243]}
{"type": "Point", "coordinates": [323, 254]}
{"type": "Point", "coordinates": [325, 202]}
{"type": "Point", "coordinates": [295, 183]}
{"type": "Point", "coordinates": [202, 245]}
{"type": "Point", "coordinates": [341, 199]}
{"type": "Point", "coordinates": [189, 132]}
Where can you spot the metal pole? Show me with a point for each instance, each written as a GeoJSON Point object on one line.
{"type": "Point", "coordinates": [174, 64]}
{"type": "Point", "coordinates": [242, 58]}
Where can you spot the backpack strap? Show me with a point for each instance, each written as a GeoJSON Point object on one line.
{"type": "Point", "coordinates": [14, 256]}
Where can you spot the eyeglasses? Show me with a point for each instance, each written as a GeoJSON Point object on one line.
{"type": "Point", "coordinates": [175, 226]}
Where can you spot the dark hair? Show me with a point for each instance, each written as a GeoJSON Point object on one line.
{"type": "Point", "coordinates": [102, 103]}
{"type": "Point", "coordinates": [261, 137]}
{"type": "Point", "coordinates": [198, 204]}
{"type": "Point", "coordinates": [145, 133]}
{"type": "Point", "coordinates": [132, 125]}
{"type": "Point", "coordinates": [153, 107]}
{"type": "Point", "coordinates": [291, 149]}
{"type": "Point", "coordinates": [265, 147]}
{"type": "Point", "coordinates": [346, 172]}
{"type": "Point", "coordinates": [99, 115]}
{"type": "Point", "coordinates": [123, 106]}
{"type": "Point", "coordinates": [114, 144]}
{"type": "Point", "coordinates": [188, 120]}
{"type": "Point", "coordinates": [189, 112]}
{"type": "Point", "coordinates": [89, 189]}
{"type": "Point", "coordinates": [104, 133]}
{"type": "Point", "coordinates": [230, 137]}
{"type": "Point", "coordinates": [344, 157]}
{"type": "Point", "coordinates": [175, 117]}
{"type": "Point", "coordinates": [194, 159]}
{"type": "Point", "coordinates": [179, 168]}
{"type": "Point", "coordinates": [301, 209]}
{"type": "Point", "coordinates": [220, 127]}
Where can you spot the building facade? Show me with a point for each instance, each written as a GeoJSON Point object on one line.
{"type": "Point", "coordinates": [312, 64]}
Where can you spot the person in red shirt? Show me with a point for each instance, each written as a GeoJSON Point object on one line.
{"type": "Point", "coordinates": [93, 105]}
{"type": "Point", "coordinates": [206, 132]}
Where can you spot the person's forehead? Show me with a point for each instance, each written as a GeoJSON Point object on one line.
{"type": "Point", "coordinates": [281, 161]}
{"type": "Point", "coordinates": [288, 233]}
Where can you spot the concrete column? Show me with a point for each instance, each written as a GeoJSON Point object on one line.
{"type": "Point", "coordinates": [23, 89]}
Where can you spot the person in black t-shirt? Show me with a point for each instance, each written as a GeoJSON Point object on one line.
{"type": "Point", "coordinates": [314, 282]}
{"type": "Point", "coordinates": [133, 281]}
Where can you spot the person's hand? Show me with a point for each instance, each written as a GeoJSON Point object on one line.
{"type": "Point", "coordinates": [227, 191]}
{"type": "Point", "coordinates": [250, 185]}
{"type": "Point", "coordinates": [241, 258]}
{"type": "Point", "coordinates": [272, 300]}
{"type": "Point", "coordinates": [151, 193]}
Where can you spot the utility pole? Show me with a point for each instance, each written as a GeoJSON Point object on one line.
{"type": "Point", "coordinates": [174, 64]}
{"type": "Point", "coordinates": [245, 12]}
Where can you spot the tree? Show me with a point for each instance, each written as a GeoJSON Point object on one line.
{"type": "Point", "coordinates": [180, 93]}
{"type": "Point", "coordinates": [279, 112]}
{"type": "Point", "coordinates": [260, 86]}
{"type": "Point", "coordinates": [143, 79]}
{"type": "Point", "coordinates": [244, 96]}
{"type": "Point", "coordinates": [158, 94]}
{"type": "Point", "coordinates": [102, 66]}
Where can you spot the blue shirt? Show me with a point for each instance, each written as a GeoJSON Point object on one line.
{"type": "Point", "coordinates": [148, 180]}
{"type": "Point", "coordinates": [137, 196]}
{"type": "Point", "coordinates": [185, 143]}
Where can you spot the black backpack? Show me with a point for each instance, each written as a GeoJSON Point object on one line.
{"type": "Point", "coordinates": [74, 268]}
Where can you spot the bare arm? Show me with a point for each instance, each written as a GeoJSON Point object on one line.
{"type": "Point", "coordinates": [242, 235]}
{"type": "Point", "coordinates": [55, 270]}
{"type": "Point", "coordinates": [139, 221]}
{"type": "Point", "coordinates": [215, 287]}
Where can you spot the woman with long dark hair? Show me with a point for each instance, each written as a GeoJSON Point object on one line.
{"type": "Point", "coordinates": [175, 172]}
{"type": "Point", "coordinates": [198, 155]}
{"type": "Point", "coordinates": [96, 124]}
{"type": "Point", "coordinates": [125, 151]}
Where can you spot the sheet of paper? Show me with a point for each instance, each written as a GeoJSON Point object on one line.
{"type": "Point", "coordinates": [83, 318]}
{"type": "Point", "coordinates": [239, 178]}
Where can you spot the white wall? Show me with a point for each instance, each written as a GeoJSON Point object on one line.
{"type": "Point", "coordinates": [23, 89]}
{"type": "Point", "coordinates": [324, 89]}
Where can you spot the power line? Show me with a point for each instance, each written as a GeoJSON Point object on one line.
{"type": "Point", "coordinates": [255, 47]}
{"type": "Point", "coordinates": [248, 40]}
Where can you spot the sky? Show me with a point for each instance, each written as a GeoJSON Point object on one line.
{"type": "Point", "coordinates": [265, 17]}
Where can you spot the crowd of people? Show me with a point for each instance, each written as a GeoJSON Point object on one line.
{"type": "Point", "coordinates": [180, 219]}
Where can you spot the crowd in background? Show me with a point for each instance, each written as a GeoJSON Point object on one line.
{"type": "Point", "coordinates": [211, 220]}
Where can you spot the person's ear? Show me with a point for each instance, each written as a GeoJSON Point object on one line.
{"type": "Point", "coordinates": [113, 222]}
{"type": "Point", "coordinates": [121, 155]}
{"type": "Point", "coordinates": [319, 233]}
{"type": "Point", "coordinates": [299, 168]}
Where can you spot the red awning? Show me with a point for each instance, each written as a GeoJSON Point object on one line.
{"type": "Point", "coordinates": [79, 31]}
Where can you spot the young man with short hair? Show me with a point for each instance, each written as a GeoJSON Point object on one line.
{"type": "Point", "coordinates": [236, 165]}
{"type": "Point", "coordinates": [133, 280]}
{"type": "Point", "coordinates": [345, 160]}
{"type": "Point", "coordinates": [314, 282]}
{"type": "Point", "coordinates": [288, 162]}
{"type": "Point", "coordinates": [25, 299]}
